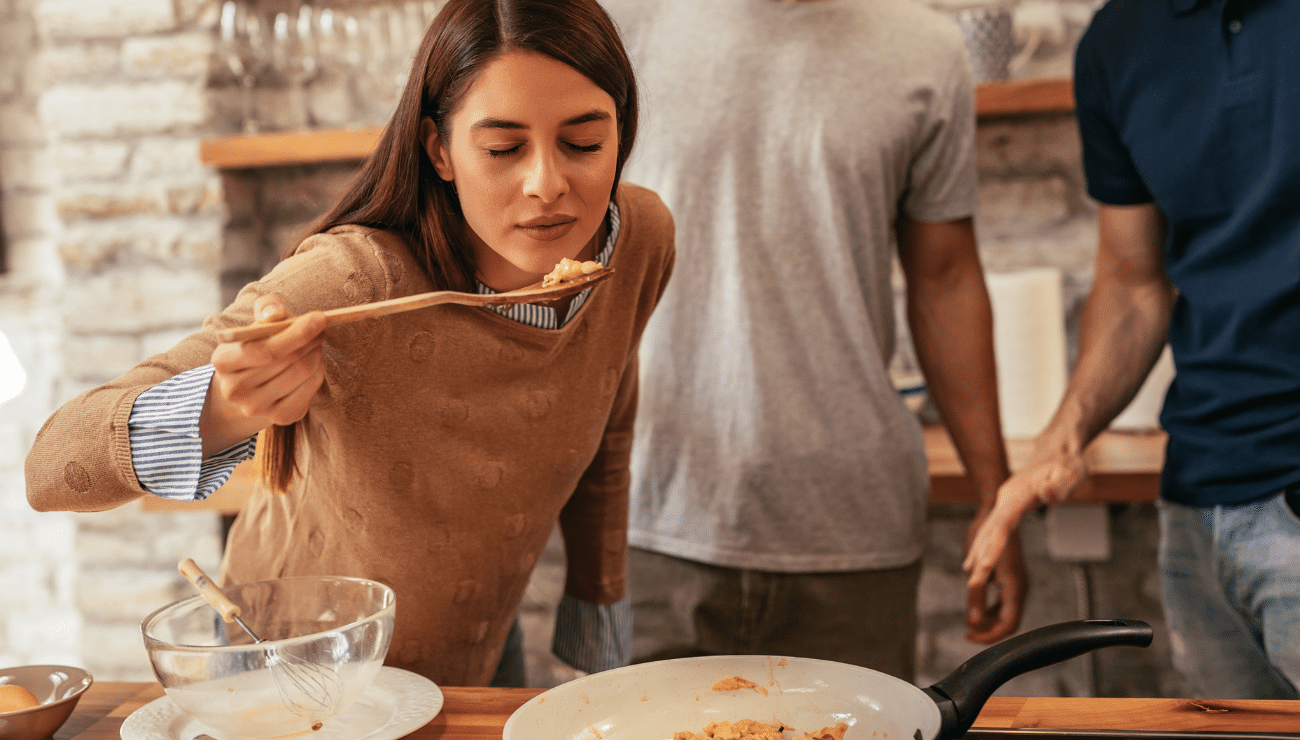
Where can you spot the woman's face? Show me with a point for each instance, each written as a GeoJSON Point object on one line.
{"type": "Point", "coordinates": [532, 151]}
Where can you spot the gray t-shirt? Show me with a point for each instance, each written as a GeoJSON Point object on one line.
{"type": "Point", "coordinates": [785, 137]}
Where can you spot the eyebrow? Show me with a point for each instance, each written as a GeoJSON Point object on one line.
{"type": "Point", "coordinates": [501, 123]}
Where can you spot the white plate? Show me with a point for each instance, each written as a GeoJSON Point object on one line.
{"type": "Point", "coordinates": [396, 704]}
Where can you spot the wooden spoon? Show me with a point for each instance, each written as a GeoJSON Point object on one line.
{"type": "Point", "coordinates": [534, 293]}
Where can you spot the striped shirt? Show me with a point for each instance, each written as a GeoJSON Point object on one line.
{"type": "Point", "coordinates": [167, 452]}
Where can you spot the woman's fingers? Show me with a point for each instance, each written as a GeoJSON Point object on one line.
{"type": "Point", "coordinates": [273, 378]}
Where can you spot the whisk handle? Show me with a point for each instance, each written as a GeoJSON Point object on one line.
{"type": "Point", "coordinates": [195, 575]}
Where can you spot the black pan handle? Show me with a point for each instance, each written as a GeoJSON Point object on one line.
{"type": "Point", "coordinates": [962, 693]}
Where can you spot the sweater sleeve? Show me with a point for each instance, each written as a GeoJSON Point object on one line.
{"type": "Point", "coordinates": [81, 458]}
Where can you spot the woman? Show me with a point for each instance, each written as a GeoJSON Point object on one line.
{"type": "Point", "coordinates": [432, 450]}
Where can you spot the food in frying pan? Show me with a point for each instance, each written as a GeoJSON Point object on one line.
{"type": "Point", "coordinates": [735, 683]}
{"type": "Point", "coordinates": [568, 269]}
{"type": "Point", "coordinates": [749, 729]}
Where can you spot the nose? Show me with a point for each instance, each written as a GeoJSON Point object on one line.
{"type": "Point", "coordinates": [545, 177]}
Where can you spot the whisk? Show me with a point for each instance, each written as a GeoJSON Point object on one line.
{"type": "Point", "coordinates": [305, 687]}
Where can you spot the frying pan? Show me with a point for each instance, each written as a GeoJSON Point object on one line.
{"type": "Point", "coordinates": [651, 701]}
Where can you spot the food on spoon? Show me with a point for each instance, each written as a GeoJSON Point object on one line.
{"type": "Point", "coordinates": [568, 269]}
{"type": "Point", "coordinates": [749, 729]}
{"type": "Point", "coordinates": [15, 698]}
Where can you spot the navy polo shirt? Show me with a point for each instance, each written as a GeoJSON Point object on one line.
{"type": "Point", "coordinates": [1195, 105]}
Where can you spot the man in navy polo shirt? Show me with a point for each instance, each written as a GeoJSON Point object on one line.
{"type": "Point", "coordinates": [1190, 116]}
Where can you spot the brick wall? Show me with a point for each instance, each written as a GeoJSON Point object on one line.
{"type": "Point", "coordinates": [114, 230]}
{"type": "Point", "coordinates": [121, 241]}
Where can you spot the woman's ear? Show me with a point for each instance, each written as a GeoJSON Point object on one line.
{"type": "Point", "coordinates": [434, 147]}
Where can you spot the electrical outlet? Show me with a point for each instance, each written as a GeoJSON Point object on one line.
{"type": "Point", "coordinates": [1078, 532]}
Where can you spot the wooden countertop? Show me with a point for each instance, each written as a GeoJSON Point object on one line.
{"type": "Point", "coordinates": [1124, 467]}
{"type": "Point", "coordinates": [479, 714]}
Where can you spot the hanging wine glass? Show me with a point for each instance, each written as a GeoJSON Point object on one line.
{"type": "Point", "coordinates": [330, 98]}
{"type": "Point", "coordinates": [242, 45]}
{"type": "Point", "coordinates": [293, 55]}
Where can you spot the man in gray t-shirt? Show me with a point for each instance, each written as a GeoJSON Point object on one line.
{"type": "Point", "coordinates": [779, 485]}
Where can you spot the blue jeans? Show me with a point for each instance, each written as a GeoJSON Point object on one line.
{"type": "Point", "coordinates": [1231, 589]}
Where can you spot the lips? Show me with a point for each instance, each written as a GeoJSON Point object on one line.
{"type": "Point", "coordinates": [548, 228]}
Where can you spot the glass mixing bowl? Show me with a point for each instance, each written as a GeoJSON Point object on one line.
{"type": "Point", "coordinates": [323, 638]}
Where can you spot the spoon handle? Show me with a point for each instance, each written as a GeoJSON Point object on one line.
{"type": "Point", "coordinates": [208, 590]}
{"type": "Point", "coordinates": [531, 294]}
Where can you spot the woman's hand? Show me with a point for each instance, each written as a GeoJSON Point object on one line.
{"type": "Point", "coordinates": [264, 381]}
{"type": "Point", "coordinates": [1045, 480]}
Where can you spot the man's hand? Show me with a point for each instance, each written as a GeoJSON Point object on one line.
{"type": "Point", "coordinates": [1046, 480]}
{"type": "Point", "coordinates": [988, 620]}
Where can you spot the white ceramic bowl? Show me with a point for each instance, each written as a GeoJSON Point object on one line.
{"type": "Point", "coordinates": [57, 687]}
{"type": "Point", "coordinates": [325, 639]}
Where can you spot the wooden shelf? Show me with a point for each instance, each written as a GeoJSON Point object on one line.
{"type": "Point", "coordinates": [289, 148]}
{"type": "Point", "coordinates": [1023, 97]}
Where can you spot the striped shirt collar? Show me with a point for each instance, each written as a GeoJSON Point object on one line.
{"type": "Point", "coordinates": [541, 316]}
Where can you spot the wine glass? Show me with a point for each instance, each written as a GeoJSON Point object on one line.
{"type": "Point", "coordinates": [293, 56]}
{"type": "Point", "coordinates": [331, 96]}
{"type": "Point", "coordinates": [242, 44]}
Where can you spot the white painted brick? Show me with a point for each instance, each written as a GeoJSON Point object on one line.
{"type": "Point", "coordinates": [90, 161]}
{"type": "Point", "coordinates": [194, 534]}
{"type": "Point", "coordinates": [158, 342]}
{"type": "Point", "coordinates": [109, 201]}
{"type": "Point", "coordinates": [181, 243]}
{"type": "Point", "coordinates": [168, 157]}
{"type": "Point", "coordinates": [12, 443]}
{"type": "Point", "coordinates": [194, 197]}
{"type": "Point", "coordinates": [29, 215]}
{"type": "Point", "coordinates": [54, 630]}
{"type": "Point", "coordinates": [16, 39]}
{"type": "Point", "coordinates": [34, 261]}
{"type": "Point", "coordinates": [118, 110]}
{"type": "Point", "coordinates": [119, 653]}
{"type": "Point", "coordinates": [27, 169]}
{"type": "Point", "coordinates": [111, 548]}
{"type": "Point", "coordinates": [146, 299]}
{"type": "Point", "coordinates": [100, 357]}
{"type": "Point", "coordinates": [85, 19]}
{"type": "Point", "coordinates": [26, 585]}
{"type": "Point", "coordinates": [20, 125]}
{"type": "Point", "coordinates": [54, 535]}
{"type": "Point", "coordinates": [184, 55]}
{"type": "Point", "coordinates": [127, 594]}
{"type": "Point", "coordinates": [78, 62]}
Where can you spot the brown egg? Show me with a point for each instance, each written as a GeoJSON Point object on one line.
{"type": "Point", "coordinates": [14, 697]}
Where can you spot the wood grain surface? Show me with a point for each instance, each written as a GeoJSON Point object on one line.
{"type": "Point", "coordinates": [479, 713]}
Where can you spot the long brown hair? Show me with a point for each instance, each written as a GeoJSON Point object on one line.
{"type": "Point", "coordinates": [397, 188]}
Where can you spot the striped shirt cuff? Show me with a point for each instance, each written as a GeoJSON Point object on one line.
{"type": "Point", "coordinates": [166, 448]}
{"type": "Point", "coordinates": [593, 637]}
